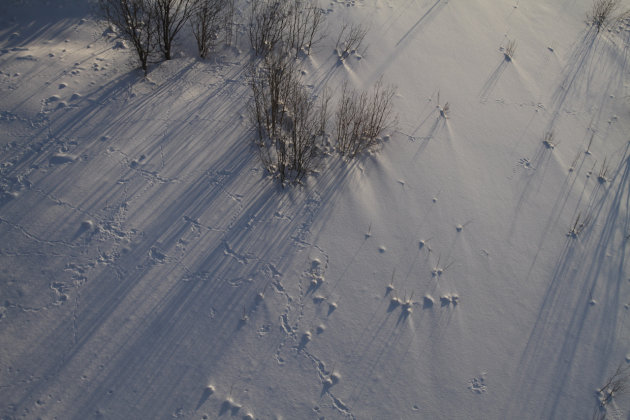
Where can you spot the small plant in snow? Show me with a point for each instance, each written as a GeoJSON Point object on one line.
{"type": "Point", "coordinates": [579, 225]}
{"type": "Point", "coordinates": [509, 50]}
{"type": "Point", "coordinates": [602, 177]}
{"type": "Point", "coordinates": [548, 141]}
{"type": "Point", "coordinates": [437, 270]}
{"type": "Point", "coordinates": [444, 110]}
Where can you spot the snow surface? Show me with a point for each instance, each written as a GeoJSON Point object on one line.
{"type": "Point", "coordinates": [151, 268]}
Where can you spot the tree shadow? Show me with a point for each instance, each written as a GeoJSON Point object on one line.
{"type": "Point", "coordinates": [578, 319]}
{"type": "Point", "coordinates": [429, 14]}
{"type": "Point", "coordinates": [189, 222]}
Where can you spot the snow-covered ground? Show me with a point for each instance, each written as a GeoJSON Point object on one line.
{"type": "Point", "coordinates": [151, 268]}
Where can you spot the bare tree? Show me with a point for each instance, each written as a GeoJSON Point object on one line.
{"type": "Point", "coordinates": [268, 20]}
{"type": "Point", "coordinates": [206, 21]}
{"type": "Point", "coordinates": [350, 39]}
{"type": "Point", "coordinates": [170, 18]}
{"type": "Point", "coordinates": [305, 21]}
{"type": "Point", "coordinates": [288, 122]}
{"type": "Point", "coordinates": [602, 13]}
{"type": "Point", "coordinates": [349, 120]}
{"type": "Point", "coordinates": [361, 118]}
{"type": "Point", "coordinates": [136, 24]}
{"type": "Point", "coordinates": [228, 21]}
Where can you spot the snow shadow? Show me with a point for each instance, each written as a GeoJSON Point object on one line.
{"type": "Point", "coordinates": [493, 79]}
{"type": "Point", "coordinates": [586, 284]}
{"type": "Point", "coordinates": [188, 228]}
{"type": "Point", "coordinates": [574, 70]}
{"type": "Point", "coordinates": [433, 11]}
{"type": "Point", "coordinates": [596, 66]}
{"type": "Point", "coordinates": [26, 23]}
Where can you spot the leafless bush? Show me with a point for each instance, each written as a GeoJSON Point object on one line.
{"type": "Point", "coordinates": [136, 23]}
{"type": "Point", "coordinates": [350, 39]}
{"type": "Point", "coordinates": [206, 20]}
{"type": "Point", "coordinates": [579, 225]}
{"type": "Point", "coordinates": [288, 123]}
{"type": "Point", "coordinates": [549, 141]}
{"type": "Point", "coordinates": [509, 50]}
{"type": "Point", "coordinates": [602, 13]}
{"type": "Point", "coordinates": [268, 21]}
{"type": "Point", "coordinates": [361, 118]}
{"type": "Point", "coordinates": [305, 22]}
{"type": "Point", "coordinates": [616, 384]}
{"type": "Point", "coordinates": [445, 109]}
{"type": "Point", "coordinates": [170, 18]}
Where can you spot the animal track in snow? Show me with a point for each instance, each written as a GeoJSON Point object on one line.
{"type": "Point", "coordinates": [447, 299]}
{"type": "Point", "coordinates": [477, 384]}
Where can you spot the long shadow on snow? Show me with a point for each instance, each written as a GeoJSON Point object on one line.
{"type": "Point", "coordinates": [106, 291]}
{"type": "Point", "coordinates": [144, 355]}
{"type": "Point", "coordinates": [591, 266]}
{"type": "Point", "coordinates": [493, 79]}
{"type": "Point", "coordinates": [159, 344]}
{"type": "Point", "coordinates": [582, 72]}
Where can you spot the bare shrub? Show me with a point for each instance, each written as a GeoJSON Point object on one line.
{"type": "Point", "coordinates": [305, 22]}
{"type": "Point", "coordinates": [170, 18]}
{"type": "Point", "coordinates": [548, 141]}
{"type": "Point", "coordinates": [361, 118]}
{"type": "Point", "coordinates": [206, 21]}
{"type": "Point", "coordinates": [268, 21]}
{"type": "Point", "coordinates": [579, 224]}
{"type": "Point", "coordinates": [288, 122]}
{"type": "Point", "coordinates": [602, 176]}
{"type": "Point", "coordinates": [509, 50]}
{"type": "Point", "coordinates": [602, 13]}
{"type": "Point", "coordinates": [615, 385]}
{"type": "Point", "coordinates": [350, 39]}
{"type": "Point", "coordinates": [136, 23]}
